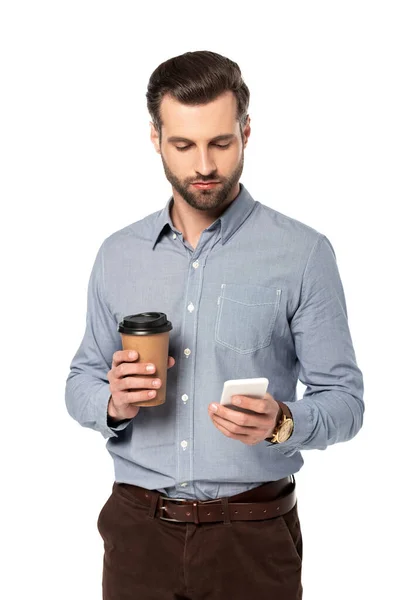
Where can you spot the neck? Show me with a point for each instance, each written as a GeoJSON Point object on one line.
{"type": "Point", "coordinates": [192, 221]}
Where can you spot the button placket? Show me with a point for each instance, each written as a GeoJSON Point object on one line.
{"type": "Point", "coordinates": [185, 466]}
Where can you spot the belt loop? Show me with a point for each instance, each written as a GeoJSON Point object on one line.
{"type": "Point", "coordinates": [225, 506]}
{"type": "Point", "coordinates": [153, 505]}
{"type": "Point", "coordinates": [196, 512]}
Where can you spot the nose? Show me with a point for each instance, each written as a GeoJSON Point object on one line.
{"type": "Point", "coordinates": [205, 164]}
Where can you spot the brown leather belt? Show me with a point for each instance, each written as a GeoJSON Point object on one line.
{"type": "Point", "coordinates": [266, 501]}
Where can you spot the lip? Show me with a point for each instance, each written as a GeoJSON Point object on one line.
{"type": "Point", "coordinates": [207, 185]}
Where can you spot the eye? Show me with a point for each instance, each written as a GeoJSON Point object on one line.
{"type": "Point", "coordinates": [183, 148]}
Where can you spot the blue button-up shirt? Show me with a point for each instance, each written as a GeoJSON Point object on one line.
{"type": "Point", "coordinates": [259, 296]}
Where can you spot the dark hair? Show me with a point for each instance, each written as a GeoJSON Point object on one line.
{"type": "Point", "coordinates": [196, 78]}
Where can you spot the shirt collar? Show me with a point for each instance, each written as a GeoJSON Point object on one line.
{"type": "Point", "coordinates": [238, 210]}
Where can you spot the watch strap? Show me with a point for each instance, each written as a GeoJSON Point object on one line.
{"type": "Point", "coordinates": [284, 412]}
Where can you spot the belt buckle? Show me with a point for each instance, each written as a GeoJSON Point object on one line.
{"type": "Point", "coordinates": [164, 508]}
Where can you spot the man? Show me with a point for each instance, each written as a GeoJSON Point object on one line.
{"type": "Point", "coordinates": [204, 502]}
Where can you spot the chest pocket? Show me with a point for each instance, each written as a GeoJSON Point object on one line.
{"type": "Point", "coordinates": [246, 316]}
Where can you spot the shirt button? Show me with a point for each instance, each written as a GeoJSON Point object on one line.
{"type": "Point", "coordinates": [184, 444]}
{"type": "Point", "coordinates": [174, 236]}
{"type": "Point", "coordinates": [187, 351]}
{"type": "Point", "coordinates": [195, 264]}
{"type": "Point", "coordinates": [190, 307]}
{"type": "Point", "coordinates": [185, 397]}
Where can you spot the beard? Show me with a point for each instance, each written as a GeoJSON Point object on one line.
{"type": "Point", "coordinates": [205, 199]}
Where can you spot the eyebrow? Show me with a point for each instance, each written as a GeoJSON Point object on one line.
{"type": "Point", "coordinates": [218, 138]}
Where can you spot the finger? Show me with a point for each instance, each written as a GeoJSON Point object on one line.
{"type": "Point", "coordinates": [121, 356]}
{"type": "Point", "coordinates": [123, 399]}
{"type": "Point", "coordinates": [234, 427]}
{"type": "Point", "coordinates": [140, 396]}
{"type": "Point", "coordinates": [228, 432]}
{"type": "Point", "coordinates": [136, 382]}
{"type": "Point", "coordinates": [238, 417]}
{"type": "Point", "coordinates": [125, 369]}
{"type": "Point", "coordinates": [259, 405]}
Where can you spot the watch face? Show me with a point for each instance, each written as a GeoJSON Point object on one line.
{"type": "Point", "coordinates": [285, 430]}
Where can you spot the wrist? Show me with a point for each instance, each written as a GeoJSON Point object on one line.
{"type": "Point", "coordinates": [113, 422]}
{"type": "Point", "coordinates": [111, 412]}
{"type": "Point", "coordinates": [112, 416]}
{"type": "Point", "coordinates": [279, 416]}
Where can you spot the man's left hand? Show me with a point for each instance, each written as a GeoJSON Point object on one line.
{"type": "Point", "coordinates": [247, 428]}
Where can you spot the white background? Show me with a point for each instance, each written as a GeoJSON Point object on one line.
{"type": "Point", "coordinates": [77, 164]}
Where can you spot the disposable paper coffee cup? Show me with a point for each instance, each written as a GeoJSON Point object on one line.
{"type": "Point", "coordinates": [148, 334]}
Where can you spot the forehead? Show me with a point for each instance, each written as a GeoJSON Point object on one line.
{"type": "Point", "coordinates": [200, 121]}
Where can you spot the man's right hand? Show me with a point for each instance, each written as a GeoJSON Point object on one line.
{"type": "Point", "coordinates": [125, 376]}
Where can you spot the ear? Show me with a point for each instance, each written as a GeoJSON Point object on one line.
{"type": "Point", "coordinates": [154, 137]}
{"type": "Point", "coordinates": [246, 131]}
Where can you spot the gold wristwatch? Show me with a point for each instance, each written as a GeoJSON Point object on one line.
{"type": "Point", "coordinates": [284, 427]}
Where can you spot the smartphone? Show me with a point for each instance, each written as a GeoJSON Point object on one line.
{"type": "Point", "coordinates": [254, 387]}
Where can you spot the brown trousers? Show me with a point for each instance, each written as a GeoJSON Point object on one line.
{"type": "Point", "coordinates": [146, 558]}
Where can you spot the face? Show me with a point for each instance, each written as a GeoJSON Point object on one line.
{"type": "Point", "coordinates": [200, 144]}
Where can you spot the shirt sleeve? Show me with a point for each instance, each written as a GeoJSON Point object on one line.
{"type": "Point", "coordinates": [332, 406]}
{"type": "Point", "coordinates": [87, 390]}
